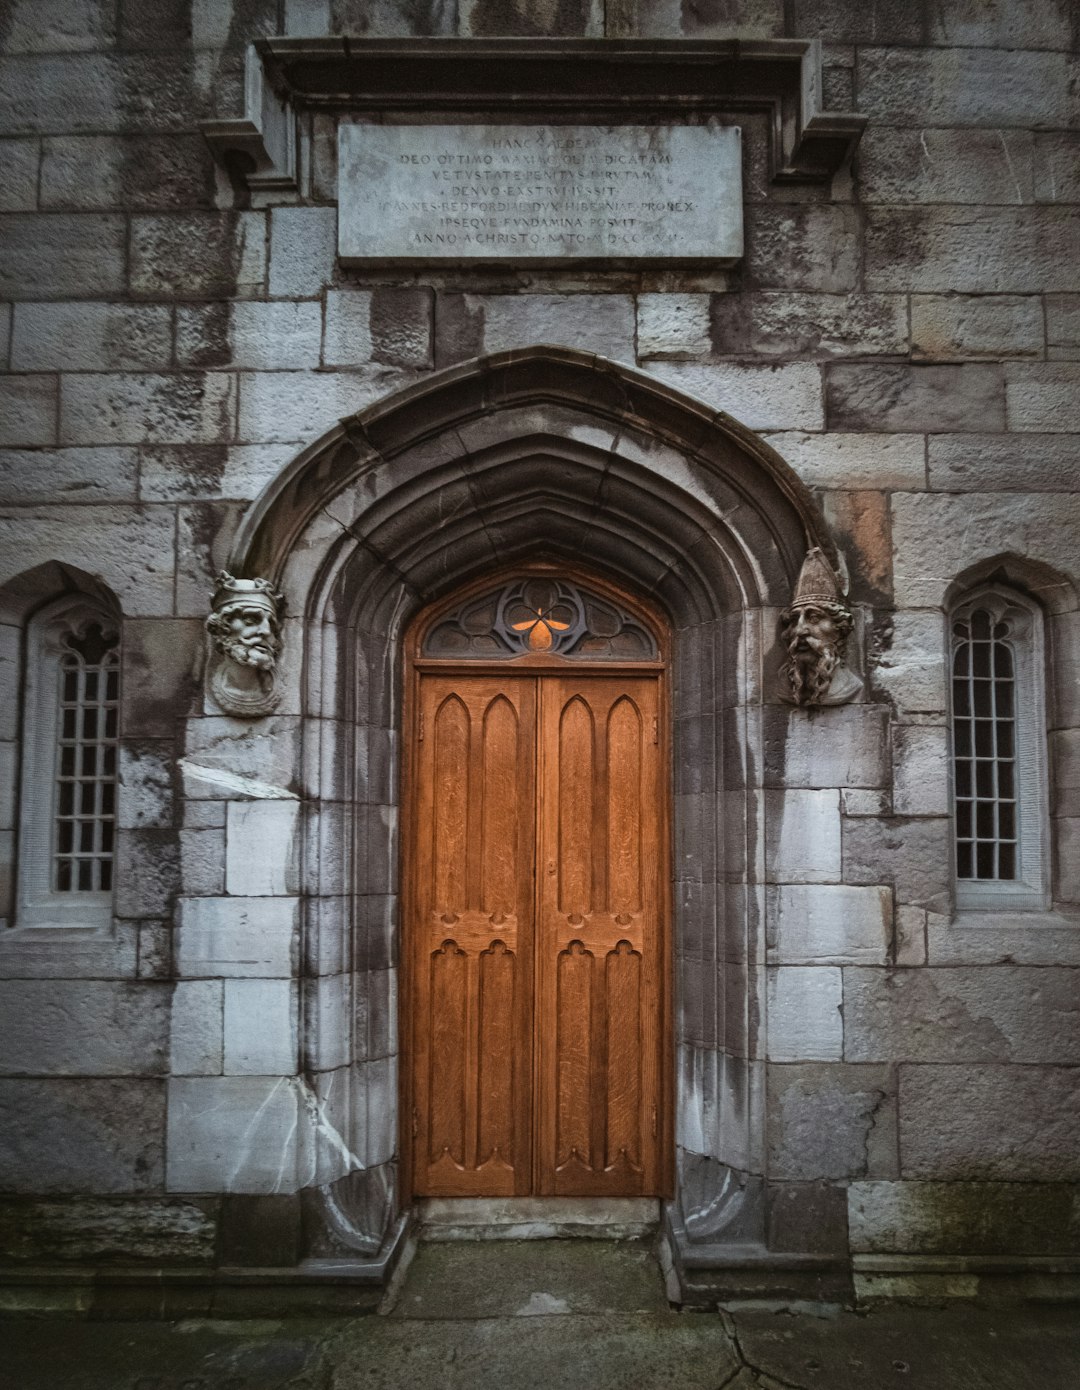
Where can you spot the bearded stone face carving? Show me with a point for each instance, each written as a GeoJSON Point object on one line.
{"type": "Point", "coordinates": [814, 631]}
{"type": "Point", "coordinates": [245, 626]}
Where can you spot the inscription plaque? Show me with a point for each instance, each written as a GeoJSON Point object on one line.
{"type": "Point", "coordinates": [539, 194]}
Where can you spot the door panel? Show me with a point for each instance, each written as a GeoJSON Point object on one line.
{"type": "Point", "coordinates": [536, 943]}
{"type": "Point", "coordinates": [599, 940]}
{"type": "Point", "coordinates": [472, 939]}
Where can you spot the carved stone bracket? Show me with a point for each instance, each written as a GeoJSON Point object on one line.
{"type": "Point", "coordinates": [814, 630]}
{"type": "Point", "coordinates": [244, 627]}
{"type": "Point", "coordinates": [596, 79]}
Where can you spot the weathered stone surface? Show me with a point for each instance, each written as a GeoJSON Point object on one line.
{"type": "Point", "coordinates": [971, 250]}
{"type": "Point", "coordinates": [910, 935]}
{"type": "Point", "coordinates": [1043, 397]}
{"type": "Point", "coordinates": [963, 1218]}
{"type": "Point", "coordinates": [969, 87]}
{"type": "Point", "coordinates": [920, 770]}
{"type": "Point", "coordinates": [202, 860]}
{"type": "Point", "coordinates": [828, 924]}
{"type": "Point", "coordinates": [831, 1122]}
{"type": "Point", "coordinates": [28, 409]}
{"type": "Point", "coordinates": [837, 22]}
{"type": "Point", "coordinates": [89, 1231]}
{"type": "Point", "coordinates": [860, 522]}
{"type": "Point", "coordinates": [262, 857]}
{"type": "Point", "coordinates": [803, 247]}
{"type": "Point", "coordinates": [1000, 463]}
{"type": "Point", "coordinates": [937, 536]}
{"type": "Point", "coordinates": [236, 937]}
{"type": "Point", "coordinates": [55, 27]}
{"type": "Point", "coordinates": [1063, 324]}
{"type": "Point", "coordinates": [117, 408]}
{"type": "Point", "coordinates": [805, 1021]}
{"type": "Point", "coordinates": [600, 323]}
{"type": "Point", "coordinates": [675, 326]}
{"type": "Point", "coordinates": [393, 326]}
{"type": "Point", "coordinates": [232, 1134]}
{"type": "Point", "coordinates": [147, 873]}
{"type": "Point", "coordinates": [880, 397]}
{"type": "Point", "coordinates": [276, 407]}
{"type": "Point", "coordinates": [303, 244]}
{"type": "Point", "coordinates": [82, 1028]}
{"type": "Point", "coordinates": [90, 336]}
{"type": "Point", "coordinates": [760, 19]}
{"type": "Point", "coordinates": [143, 173]}
{"type": "Point", "coordinates": [265, 756]}
{"type": "Point", "coordinates": [536, 194]}
{"type": "Point", "coordinates": [806, 1218]}
{"type": "Point", "coordinates": [914, 855]}
{"type": "Point", "coordinates": [855, 460]}
{"type": "Point", "coordinates": [196, 1036]}
{"type": "Point", "coordinates": [802, 836]}
{"type": "Point", "coordinates": [146, 770]}
{"type": "Point", "coordinates": [82, 1135]}
{"type": "Point", "coordinates": [260, 1028]}
{"type": "Point", "coordinates": [968, 326]}
{"type": "Point", "coordinates": [1000, 1122]}
{"type": "Point", "coordinates": [1002, 1014]}
{"type": "Point", "coordinates": [809, 325]}
{"type": "Point", "coordinates": [899, 165]}
{"type": "Point", "coordinates": [253, 335]}
{"type": "Point", "coordinates": [844, 747]}
{"type": "Point", "coordinates": [1057, 166]}
{"type": "Point", "coordinates": [186, 255]}
{"type": "Point", "coordinates": [762, 398]}
{"type": "Point", "coordinates": [909, 664]}
{"type": "Point", "coordinates": [19, 160]}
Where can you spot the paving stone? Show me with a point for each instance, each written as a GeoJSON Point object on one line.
{"type": "Point", "coordinates": [63, 1135]}
{"type": "Point", "coordinates": [973, 250]}
{"type": "Point", "coordinates": [888, 397]}
{"type": "Point", "coordinates": [898, 165]}
{"type": "Point", "coordinates": [1000, 1122]}
{"type": "Point", "coordinates": [833, 924]}
{"type": "Point", "coordinates": [963, 87]}
{"type": "Point", "coordinates": [831, 1121]}
{"type": "Point", "coordinates": [982, 1014]}
{"type": "Point", "coordinates": [83, 1028]}
{"type": "Point", "coordinates": [970, 326]}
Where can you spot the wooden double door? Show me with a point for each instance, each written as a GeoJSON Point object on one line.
{"type": "Point", "coordinates": [536, 936]}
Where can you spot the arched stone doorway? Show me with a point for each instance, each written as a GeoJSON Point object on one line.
{"type": "Point", "coordinates": [558, 455]}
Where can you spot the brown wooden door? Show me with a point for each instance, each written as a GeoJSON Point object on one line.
{"type": "Point", "coordinates": [537, 957]}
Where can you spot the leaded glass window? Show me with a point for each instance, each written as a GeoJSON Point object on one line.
{"type": "Point", "coordinates": [998, 736]}
{"type": "Point", "coordinates": [538, 615]}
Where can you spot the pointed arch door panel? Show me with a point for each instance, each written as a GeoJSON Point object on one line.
{"type": "Point", "coordinates": [536, 936]}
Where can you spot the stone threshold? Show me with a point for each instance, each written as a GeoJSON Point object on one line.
{"type": "Point", "coordinates": [536, 1218]}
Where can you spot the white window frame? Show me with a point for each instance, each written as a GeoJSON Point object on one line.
{"type": "Point", "coordinates": [37, 904]}
{"type": "Point", "coordinates": [1030, 890]}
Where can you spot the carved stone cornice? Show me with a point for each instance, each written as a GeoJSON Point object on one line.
{"type": "Point", "coordinates": [612, 80]}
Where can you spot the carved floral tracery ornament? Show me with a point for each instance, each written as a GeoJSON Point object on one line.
{"type": "Point", "coordinates": [538, 615]}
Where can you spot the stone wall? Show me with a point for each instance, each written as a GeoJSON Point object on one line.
{"type": "Point", "coordinates": [907, 338]}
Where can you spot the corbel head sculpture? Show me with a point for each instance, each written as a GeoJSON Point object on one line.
{"type": "Point", "coordinates": [814, 629]}
{"type": "Point", "coordinates": [245, 626]}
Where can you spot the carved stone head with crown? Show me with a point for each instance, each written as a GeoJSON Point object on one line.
{"type": "Point", "coordinates": [814, 629]}
{"type": "Point", "coordinates": [245, 625]}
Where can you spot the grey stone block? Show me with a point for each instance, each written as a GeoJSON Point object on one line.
{"type": "Point", "coordinates": [855, 460]}
{"type": "Point", "coordinates": [880, 397]}
{"type": "Point", "coordinates": [401, 323]}
{"type": "Point", "coordinates": [267, 754]}
{"type": "Point", "coordinates": [97, 93]}
{"type": "Point", "coordinates": [995, 463]}
{"type": "Point", "coordinates": [1048, 24]}
{"type": "Point", "coordinates": [601, 323]}
{"type": "Point", "coordinates": [485, 18]}
{"type": "Point", "coordinates": [831, 1122]}
{"type": "Point", "coordinates": [260, 1028]}
{"type": "Point", "coordinates": [262, 855]}
{"type": "Point", "coordinates": [759, 397]}
{"type": "Point", "coordinates": [1057, 166]}
{"type": "Point", "coordinates": [54, 27]}
{"type": "Point", "coordinates": [28, 410]}
{"type": "Point", "coordinates": [121, 408]}
{"type": "Point", "coordinates": [1014, 1123]}
{"type": "Point", "coordinates": [809, 325]}
{"type": "Point", "coordinates": [921, 770]}
{"type": "Point", "coordinates": [186, 255]}
{"type": "Point", "coordinates": [969, 250]}
{"type": "Point", "coordinates": [196, 1036]}
{"type": "Point", "coordinates": [147, 873]}
{"type": "Point", "coordinates": [236, 937]}
{"type": "Point", "coordinates": [838, 22]}
{"type": "Point", "coordinates": [1062, 320]}
{"type": "Point", "coordinates": [90, 336]}
{"type": "Point", "coordinates": [146, 770]}
{"type": "Point", "coordinates": [673, 326]}
{"type": "Point", "coordinates": [1043, 396]}
{"type": "Point", "coordinates": [141, 173]}
{"type": "Point", "coordinates": [303, 247]}
{"type": "Point", "coordinates": [969, 326]}
{"type": "Point", "coordinates": [299, 406]}
{"type": "Point", "coordinates": [202, 861]}
{"type": "Point", "coordinates": [940, 87]}
{"type": "Point", "coordinates": [804, 1011]}
{"type": "Point", "coordinates": [83, 1028]}
{"type": "Point", "coordinates": [828, 924]}
{"type": "Point", "coordinates": [260, 1232]}
{"type": "Point", "coordinates": [19, 161]}
{"type": "Point", "coordinates": [914, 855]}
{"type": "Point", "coordinates": [58, 255]}
{"type": "Point", "coordinates": [908, 663]}
{"type": "Point", "coordinates": [971, 1218]}
{"type": "Point", "coordinates": [232, 1134]}
{"type": "Point", "coordinates": [84, 1136]}
{"type": "Point", "coordinates": [89, 1231]}
{"type": "Point", "coordinates": [807, 1218]}
{"type": "Point", "coordinates": [981, 1014]}
{"type": "Point", "coordinates": [800, 246]}
{"type": "Point", "coordinates": [249, 334]}
{"type": "Point", "coordinates": [841, 747]}
{"type": "Point", "coordinates": [802, 836]}
{"type": "Point", "coordinates": [899, 165]}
